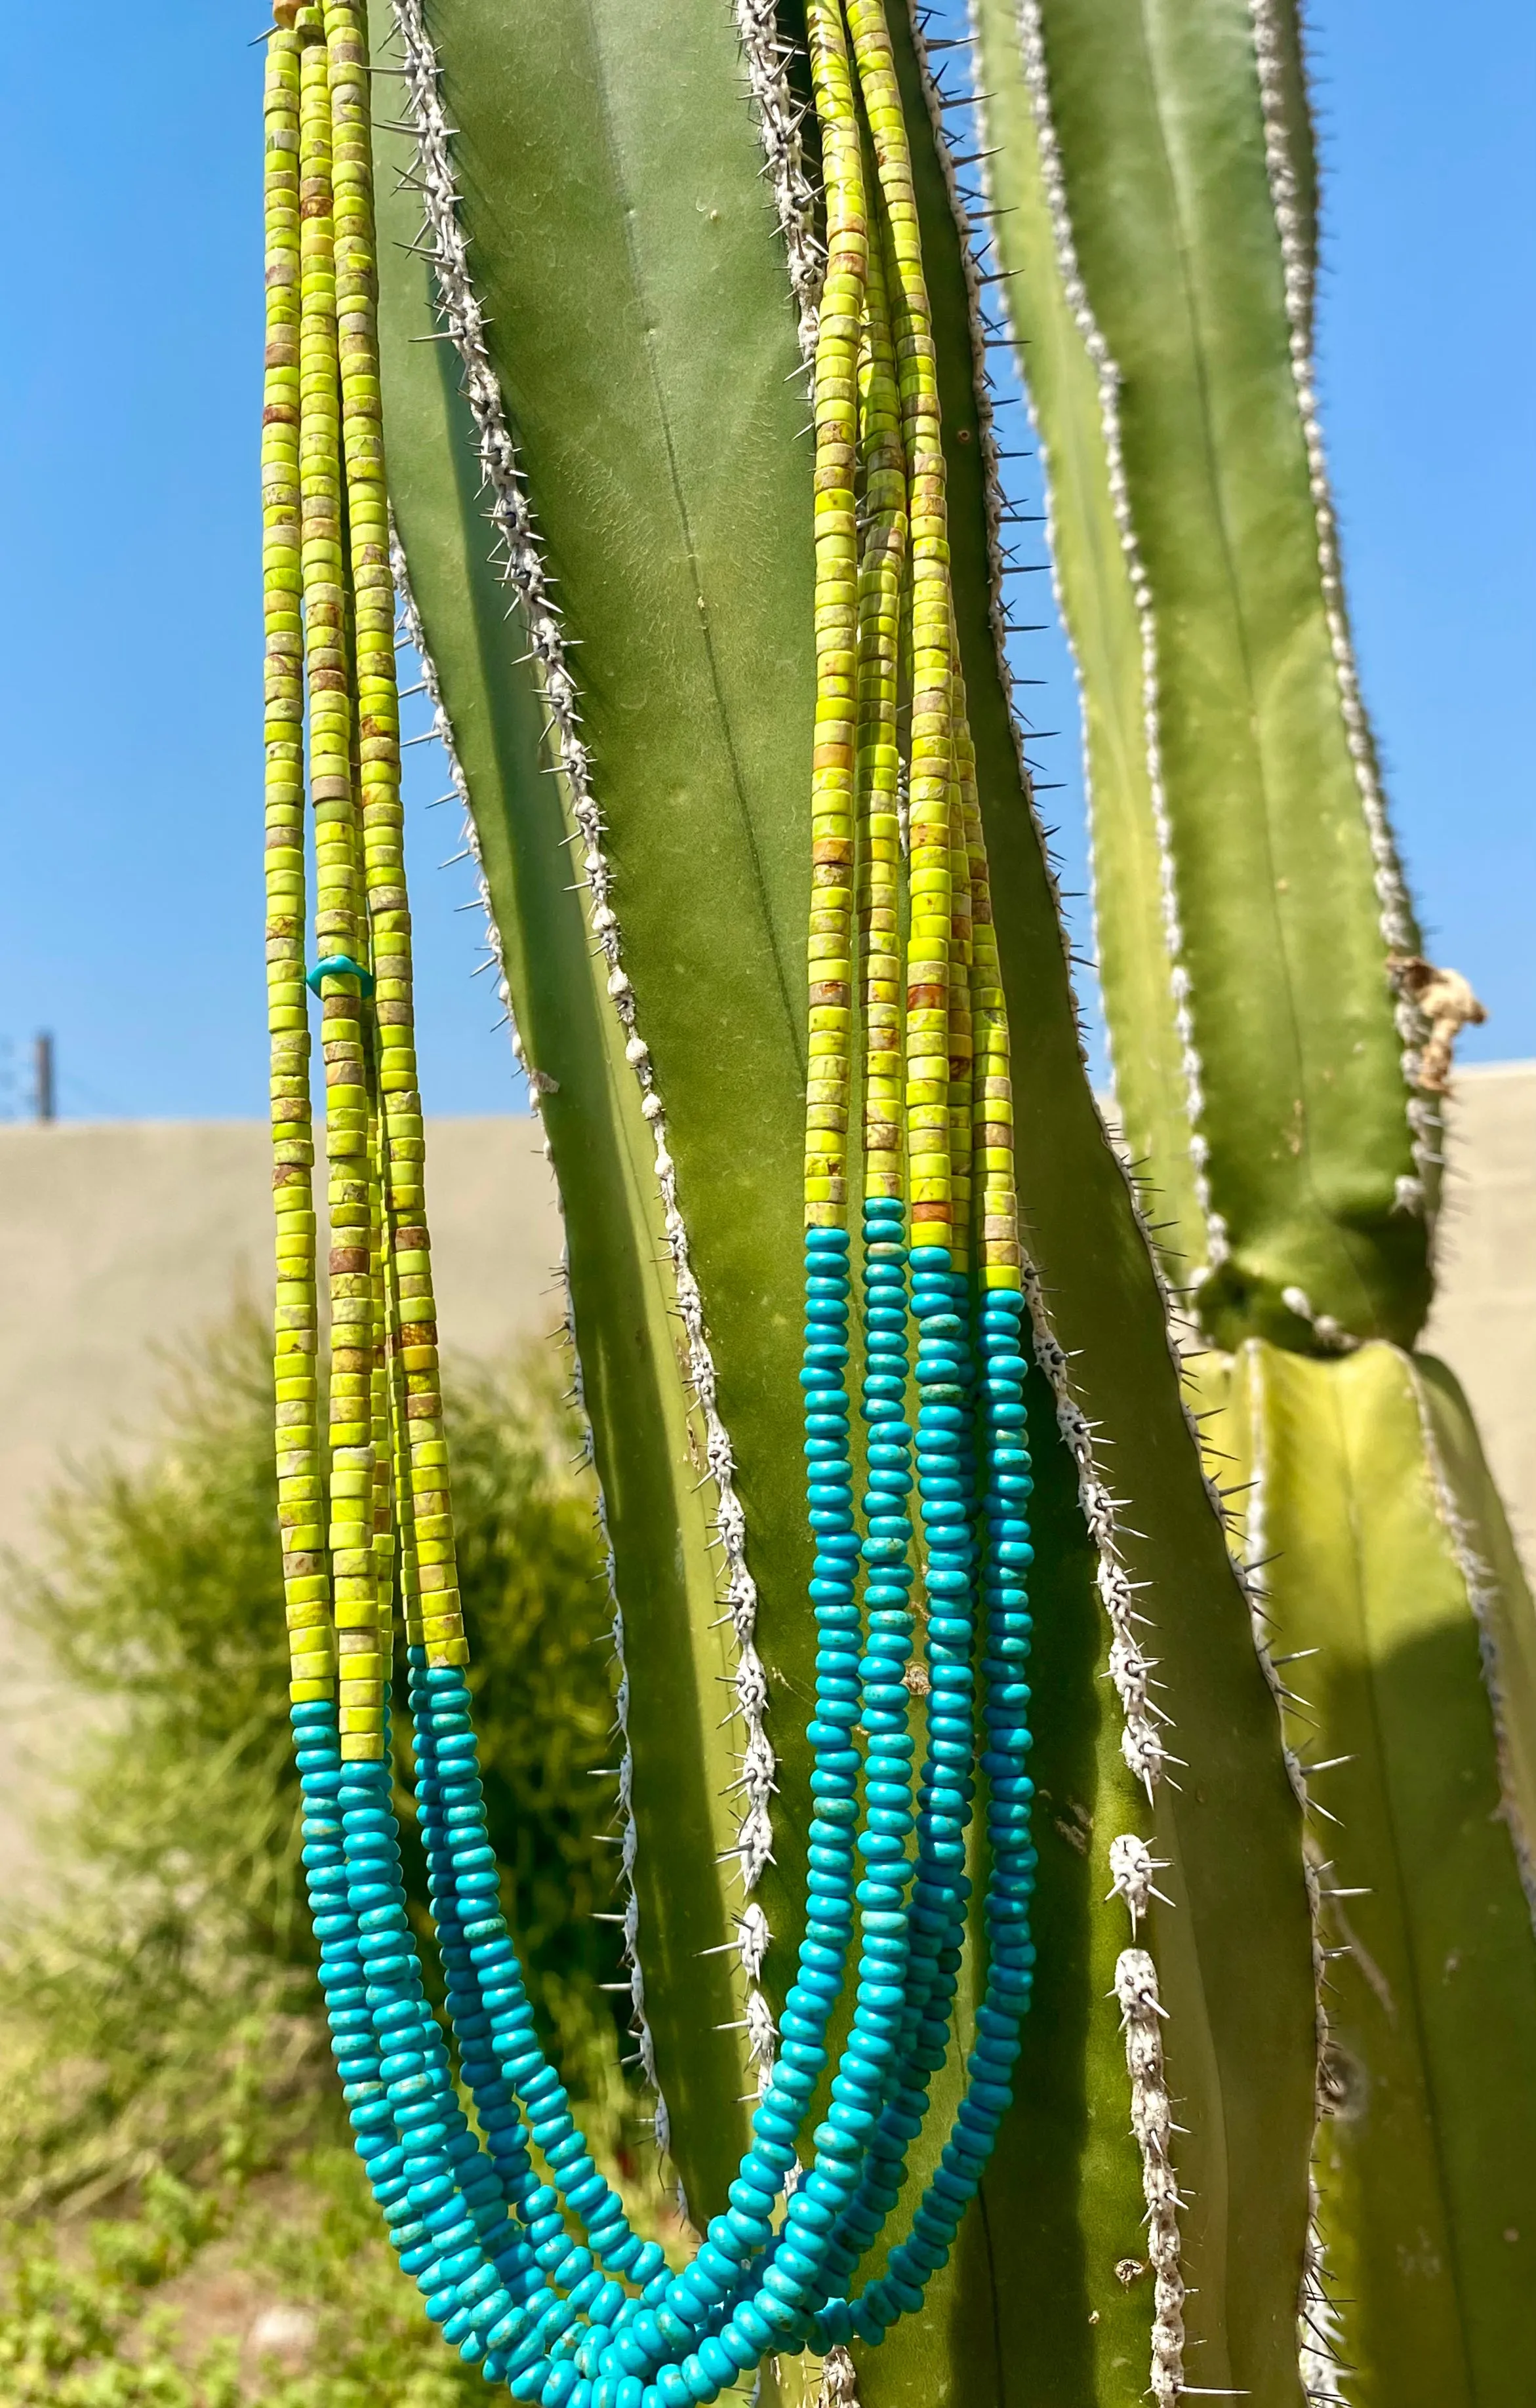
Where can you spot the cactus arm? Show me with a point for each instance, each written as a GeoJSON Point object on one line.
{"type": "Point", "coordinates": [1271, 841]}
{"type": "Point", "coordinates": [1426, 2162]}
{"type": "Point", "coordinates": [643, 333]}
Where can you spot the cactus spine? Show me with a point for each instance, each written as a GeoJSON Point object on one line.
{"type": "Point", "coordinates": [1280, 1050]}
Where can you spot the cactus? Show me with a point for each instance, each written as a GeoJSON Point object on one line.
{"type": "Point", "coordinates": [1279, 1052]}
{"type": "Point", "coordinates": [594, 312]}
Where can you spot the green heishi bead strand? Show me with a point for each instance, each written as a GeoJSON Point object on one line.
{"type": "Point", "coordinates": [960, 1039]}
{"type": "Point", "coordinates": [599, 2322]}
{"type": "Point", "coordinates": [832, 793]}
{"type": "Point", "coordinates": [429, 1577]}
{"type": "Point", "coordinates": [339, 921]}
{"type": "Point", "coordinates": [881, 580]}
{"type": "Point", "coordinates": [997, 1200]}
{"type": "Point", "coordinates": [366, 1648]}
{"type": "Point", "coordinates": [300, 1470]}
{"type": "Point", "coordinates": [930, 883]}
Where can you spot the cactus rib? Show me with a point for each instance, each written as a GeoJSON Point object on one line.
{"type": "Point", "coordinates": [796, 197]}
{"type": "Point", "coordinates": [525, 574]}
{"type": "Point", "coordinates": [1319, 2327]}
{"type": "Point", "coordinates": [629, 1840]}
{"type": "Point", "coordinates": [1107, 377]}
{"type": "Point", "coordinates": [1503, 1639]}
{"type": "Point", "coordinates": [1298, 254]}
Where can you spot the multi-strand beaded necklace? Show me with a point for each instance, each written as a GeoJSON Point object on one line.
{"type": "Point", "coordinates": [521, 2248]}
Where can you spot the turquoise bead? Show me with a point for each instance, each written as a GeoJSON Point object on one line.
{"type": "Point", "coordinates": [717, 2363]}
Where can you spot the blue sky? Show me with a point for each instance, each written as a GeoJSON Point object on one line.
{"type": "Point", "coordinates": [130, 797]}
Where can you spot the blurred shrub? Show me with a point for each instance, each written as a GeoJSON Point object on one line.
{"type": "Point", "coordinates": [90, 2326]}
{"type": "Point", "coordinates": [158, 2009]}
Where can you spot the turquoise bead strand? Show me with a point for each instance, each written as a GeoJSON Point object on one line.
{"type": "Point", "coordinates": [517, 2294]}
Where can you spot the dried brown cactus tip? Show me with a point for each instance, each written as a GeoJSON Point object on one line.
{"type": "Point", "coordinates": [1448, 1004]}
{"type": "Point", "coordinates": [839, 2382]}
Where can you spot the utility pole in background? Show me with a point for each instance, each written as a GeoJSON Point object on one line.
{"type": "Point", "coordinates": [42, 1077]}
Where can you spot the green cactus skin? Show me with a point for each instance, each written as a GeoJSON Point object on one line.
{"type": "Point", "coordinates": [1390, 1568]}
{"type": "Point", "coordinates": [1248, 898]}
{"type": "Point", "coordinates": [1157, 164]}
{"type": "Point", "coordinates": [641, 325]}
